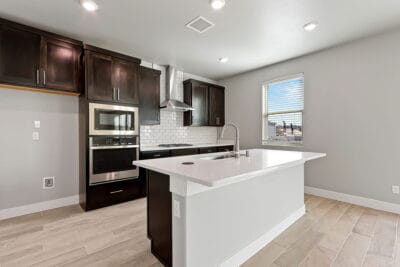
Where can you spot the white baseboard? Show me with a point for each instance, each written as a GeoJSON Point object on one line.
{"type": "Point", "coordinates": [356, 200]}
{"type": "Point", "coordinates": [246, 253]}
{"type": "Point", "coordinates": [37, 207]}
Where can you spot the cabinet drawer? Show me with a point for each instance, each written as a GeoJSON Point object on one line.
{"type": "Point", "coordinates": [206, 150]}
{"type": "Point", "coordinates": [112, 193]}
{"type": "Point", "coordinates": [154, 154]}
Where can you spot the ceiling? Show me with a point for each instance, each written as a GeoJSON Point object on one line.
{"type": "Point", "coordinates": [251, 33]}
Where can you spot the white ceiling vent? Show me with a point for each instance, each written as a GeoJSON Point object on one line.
{"type": "Point", "coordinates": [200, 24]}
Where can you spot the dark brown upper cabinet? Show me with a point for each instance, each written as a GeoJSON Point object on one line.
{"type": "Point", "coordinates": [111, 77]}
{"type": "Point", "coordinates": [19, 56]}
{"type": "Point", "coordinates": [208, 100]}
{"type": "Point", "coordinates": [98, 76]}
{"type": "Point", "coordinates": [149, 95]}
{"type": "Point", "coordinates": [196, 95]}
{"type": "Point", "coordinates": [126, 80]}
{"type": "Point", "coordinates": [216, 104]}
{"type": "Point", "coordinates": [61, 64]}
{"type": "Point", "coordinates": [39, 60]}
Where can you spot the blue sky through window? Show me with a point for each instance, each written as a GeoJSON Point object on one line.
{"type": "Point", "coordinates": [286, 96]}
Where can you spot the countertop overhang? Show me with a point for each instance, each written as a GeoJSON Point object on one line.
{"type": "Point", "coordinates": [212, 173]}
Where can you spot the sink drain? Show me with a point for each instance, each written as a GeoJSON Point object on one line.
{"type": "Point", "coordinates": [188, 163]}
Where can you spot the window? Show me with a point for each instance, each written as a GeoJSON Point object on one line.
{"type": "Point", "coordinates": [283, 102]}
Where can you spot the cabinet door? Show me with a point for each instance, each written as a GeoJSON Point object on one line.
{"type": "Point", "coordinates": [197, 97]}
{"type": "Point", "coordinates": [216, 106]}
{"type": "Point", "coordinates": [19, 56]}
{"type": "Point", "coordinates": [98, 75]}
{"type": "Point", "coordinates": [60, 65]}
{"type": "Point", "coordinates": [126, 81]}
{"type": "Point", "coordinates": [149, 95]}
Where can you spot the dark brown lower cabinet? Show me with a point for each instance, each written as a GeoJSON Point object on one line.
{"type": "Point", "coordinates": [102, 195]}
{"type": "Point", "coordinates": [206, 150]}
{"type": "Point", "coordinates": [159, 216]}
{"type": "Point", "coordinates": [224, 148]}
{"type": "Point", "coordinates": [184, 152]}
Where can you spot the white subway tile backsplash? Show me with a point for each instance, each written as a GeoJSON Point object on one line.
{"type": "Point", "coordinates": [171, 130]}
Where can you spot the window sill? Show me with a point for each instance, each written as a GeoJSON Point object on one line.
{"type": "Point", "coordinates": [283, 144]}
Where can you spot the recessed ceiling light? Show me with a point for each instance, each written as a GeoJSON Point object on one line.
{"type": "Point", "coordinates": [223, 59]}
{"type": "Point", "coordinates": [217, 4]}
{"type": "Point", "coordinates": [89, 5]}
{"type": "Point", "coordinates": [310, 26]}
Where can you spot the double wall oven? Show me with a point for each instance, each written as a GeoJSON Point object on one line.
{"type": "Point", "coordinates": [113, 142]}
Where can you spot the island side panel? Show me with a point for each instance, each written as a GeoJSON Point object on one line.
{"type": "Point", "coordinates": [159, 216]}
{"type": "Point", "coordinates": [225, 226]}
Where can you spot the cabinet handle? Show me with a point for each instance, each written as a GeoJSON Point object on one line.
{"type": "Point", "coordinates": [113, 93]}
{"type": "Point", "coordinates": [157, 155]}
{"type": "Point", "coordinates": [44, 77]}
{"type": "Point", "coordinates": [116, 192]}
{"type": "Point", "coordinates": [118, 93]}
{"type": "Point", "coordinates": [37, 76]}
{"type": "Point", "coordinates": [217, 120]}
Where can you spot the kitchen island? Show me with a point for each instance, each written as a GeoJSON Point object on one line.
{"type": "Point", "coordinates": [218, 210]}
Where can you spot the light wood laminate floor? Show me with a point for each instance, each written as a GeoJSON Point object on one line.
{"type": "Point", "coordinates": [335, 234]}
{"type": "Point", "coordinates": [331, 233]}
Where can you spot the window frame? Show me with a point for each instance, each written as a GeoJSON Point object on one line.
{"type": "Point", "coordinates": [265, 114]}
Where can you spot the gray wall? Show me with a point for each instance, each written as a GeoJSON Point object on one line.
{"type": "Point", "coordinates": [352, 113]}
{"type": "Point", "coordinates": [24, 162]}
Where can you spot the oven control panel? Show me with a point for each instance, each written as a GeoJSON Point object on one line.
{"type": "Point", "coordinates": [114, 140]}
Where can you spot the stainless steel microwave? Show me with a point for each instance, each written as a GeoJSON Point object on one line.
{"type": "Point", "coordinates": [113, 120]}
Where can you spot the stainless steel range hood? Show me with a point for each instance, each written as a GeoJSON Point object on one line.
{"type": "Point", "coordinates": [171, 103]}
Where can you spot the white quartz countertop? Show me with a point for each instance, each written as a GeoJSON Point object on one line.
{"type": "Point", "coordinates": [219, 172]}
{"type": "Point", "coordinates": [158, 148]}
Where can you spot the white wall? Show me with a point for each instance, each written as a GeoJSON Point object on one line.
{"type": "Point", "coordinates": [24, 162]}
{"type": "Point", "coordinates": [352, 113]}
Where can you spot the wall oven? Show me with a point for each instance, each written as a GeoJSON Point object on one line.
{"type": "Point", "coordinates": [113, 120]}
{"type": "Point", "coordinates": [110, 158]}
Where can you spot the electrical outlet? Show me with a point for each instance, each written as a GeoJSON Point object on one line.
{"type": "Point", "coordinates": [395, 189]}
{"type": "Point", "coordinates": [35, 136]}
{"type": "Point", "coordinates": [37, 124]}
{"type": "Point", "coordinates": [177, 209]}
{"type": "Point", "coordinates": [49, 182]}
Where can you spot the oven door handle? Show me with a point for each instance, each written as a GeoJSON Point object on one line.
{"type": "Point", "coordinates": [112, 147]}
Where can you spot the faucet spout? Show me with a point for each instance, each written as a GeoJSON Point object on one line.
{"type": "Point", "coordinates": [237, 145]}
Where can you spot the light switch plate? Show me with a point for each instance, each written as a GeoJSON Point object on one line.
{"type": "Point", "coordinates": [35, 136]}
{"type": "Point", "coordinates": [177, 209]}
{"type": "Point", "coordinates": [37, 124]}
{"type": "Point", "coordinates": [396, 189]}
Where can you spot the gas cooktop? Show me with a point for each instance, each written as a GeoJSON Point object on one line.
{"type": "Point", "coordinates": [174, 145]}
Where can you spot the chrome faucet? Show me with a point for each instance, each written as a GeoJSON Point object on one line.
{"type": "Point", "coordinates": [237, 146]}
